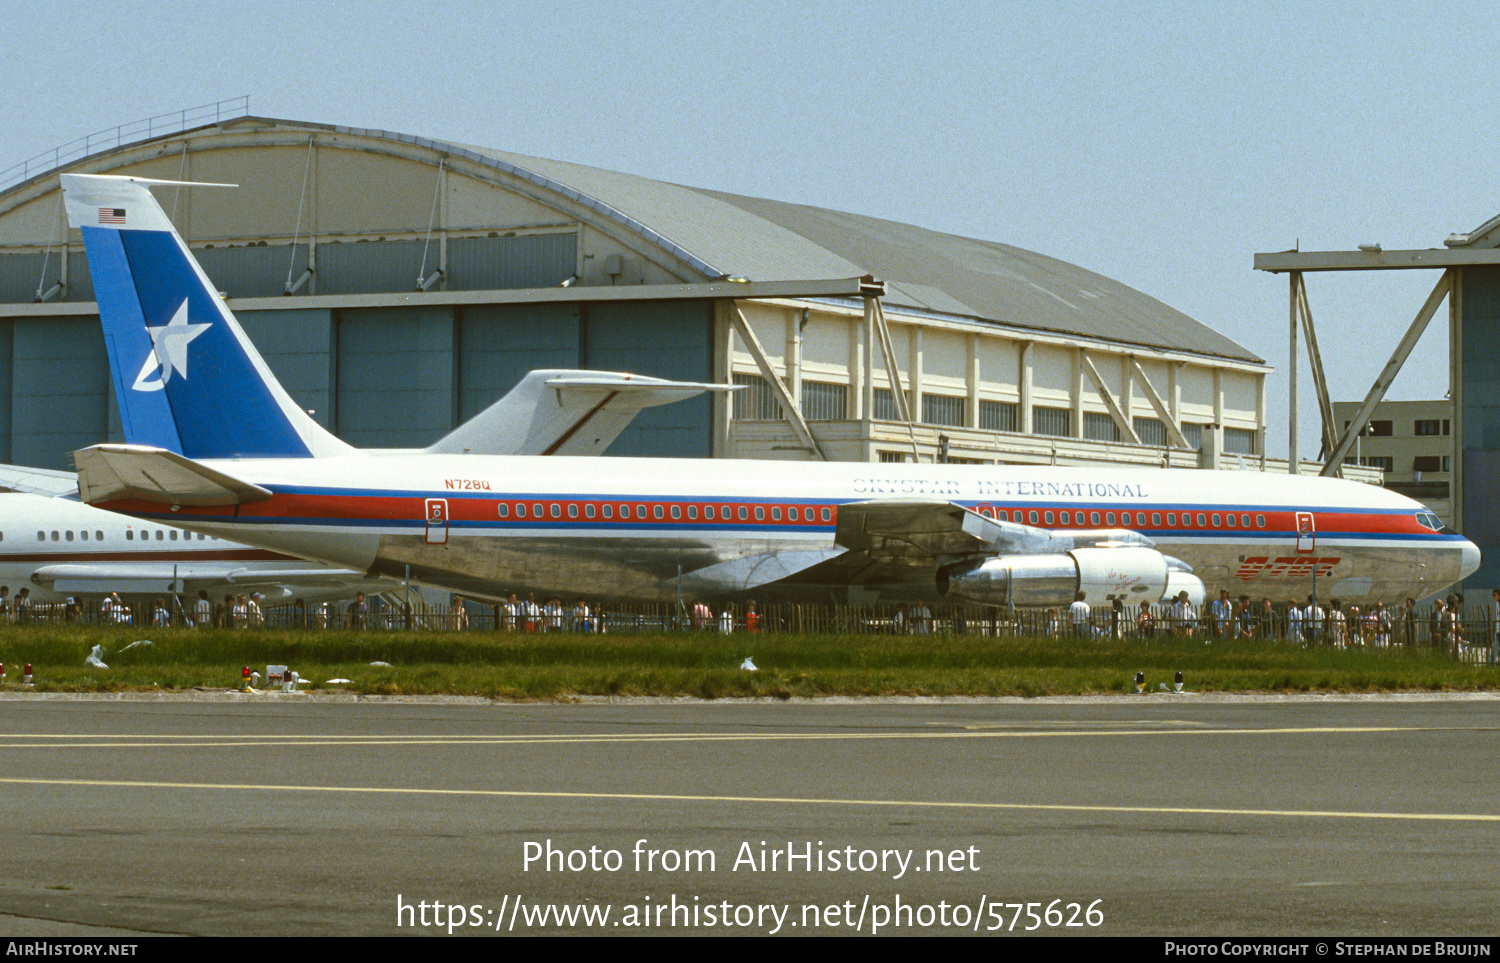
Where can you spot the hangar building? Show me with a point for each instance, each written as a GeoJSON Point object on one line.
{"type": "Point", "coordinates": [398, 284]}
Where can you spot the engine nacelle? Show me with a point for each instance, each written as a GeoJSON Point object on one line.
{"type": "Point", "coordinates": [1180, 581]}
{"type": "Point", "coordinates": [1132, 575]}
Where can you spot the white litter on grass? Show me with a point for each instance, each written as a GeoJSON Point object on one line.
{"type": "Point", "coordinates": [136, 643]}
{"type": "Point", "coordinates": [336, 682]}
{"type": "Point", "coordinates": [94, 660]}
{"type": "Point", "coordinates": [748, 666]}
{"type": "Point", "coordinates": [383, 665]}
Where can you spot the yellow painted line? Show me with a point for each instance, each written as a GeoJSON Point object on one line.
{"type": "Point", "coordinates": [99, 741]}
{"type": "Point", "coordinates": [779, 800]}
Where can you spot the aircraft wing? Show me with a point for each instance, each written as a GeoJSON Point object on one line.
{"type": "Point", "coordinates": [894, 541]}
{"type": "Point", "coordinates": [564, 412]}
{"type": "Point", "coordinates": [112, 472]}
{"type": "Point", "coordinates": [38, 481]}
{"type": "Point", "coordinates": [930, 529]}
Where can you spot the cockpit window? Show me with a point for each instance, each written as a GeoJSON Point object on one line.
{"type": "Point", "coordinates": [1429, 520]}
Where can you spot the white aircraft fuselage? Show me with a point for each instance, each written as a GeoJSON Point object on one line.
{"type": "Point", "coordinates": [616, 528]}
{"type": "Point", "coordinates": [59, 548]}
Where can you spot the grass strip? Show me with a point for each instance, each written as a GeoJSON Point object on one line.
{"type": "Point", "coordinates": [706, 665]}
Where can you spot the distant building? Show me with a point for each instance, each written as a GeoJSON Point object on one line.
{"type": "Point", "coordinates": [1412, 443]}
{"type": "Point", "coordinates": [398, 284]}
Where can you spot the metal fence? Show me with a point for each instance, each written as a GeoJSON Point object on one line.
{"type": "Point", "coordinates": [117, 136]}
{"type": "Point", "coordinates": [1470, 633]}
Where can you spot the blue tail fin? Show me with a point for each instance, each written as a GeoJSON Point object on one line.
{"type": "Point", "coordinates": [187, 379]}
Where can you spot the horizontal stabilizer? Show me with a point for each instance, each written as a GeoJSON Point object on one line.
{"type": "Point", "coordinates": [564, 412]}
{"type": "Point", "coordinates": [109, 473]}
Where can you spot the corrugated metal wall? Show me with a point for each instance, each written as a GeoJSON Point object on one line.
{"type": "Point", "coordinates": [59, 392]}
{"type": "Point", "coordinates": [499, 344]}
{"type": "Point", "coordinates": [253, 272]}
{"type": "Point", "coordinates": [665, 339]}
{"type": "Point", "coordinates": [395, 376]}
{"type": "Point", "coordinates": [495, 263]}
{"type": "Point", "coordinates": [298, 345]}
{"type": "Point", "coordinates": [378, 377]}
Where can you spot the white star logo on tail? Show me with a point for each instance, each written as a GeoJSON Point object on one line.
{"type": "Point", "coordinates": [169, 350]}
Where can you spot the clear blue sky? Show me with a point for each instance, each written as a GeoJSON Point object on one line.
{"type": "Point", "coordinates": [1162, 144]}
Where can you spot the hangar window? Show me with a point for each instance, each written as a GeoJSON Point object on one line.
{"type": "Point", "coordinates": [1100, 427]}
{"type": "Point", "coordinates": [999, 416]}
{"type": "Point", "coordinates": [944, 410]}
{"type": "Point", "coordinates": [757, 402]}
{"type": "Point", "coordinates": [1150, 431]}
{"type": "Point", "coordinates": [822, 401]}
{"type": "Point", "coordinates": [1052, 421]}
{"type": "Point", "coordinates": [1239, 441]}
{"type": "Point", "coordinates": [885, 406]}
{"type": "Point", "coordinates": [504, 510]}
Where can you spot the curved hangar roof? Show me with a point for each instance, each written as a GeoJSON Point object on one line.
{"type": "Point", "coordinates": [699, 235]}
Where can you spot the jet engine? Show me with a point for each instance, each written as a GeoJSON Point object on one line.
{"type": "Point", "coordinates": [1102, 574]}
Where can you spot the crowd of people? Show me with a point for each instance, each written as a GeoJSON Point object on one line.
{"type": "Point", "coordinates": [1447, 623]}
{"type": "Point", "coordinates": [1311, 622]}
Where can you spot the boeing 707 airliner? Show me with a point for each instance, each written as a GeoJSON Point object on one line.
{"type": "Point", "coordinates": [215, 445]}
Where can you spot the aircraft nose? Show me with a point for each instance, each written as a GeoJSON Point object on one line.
{"type": "Point", "coordinates": [1470, 562]}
